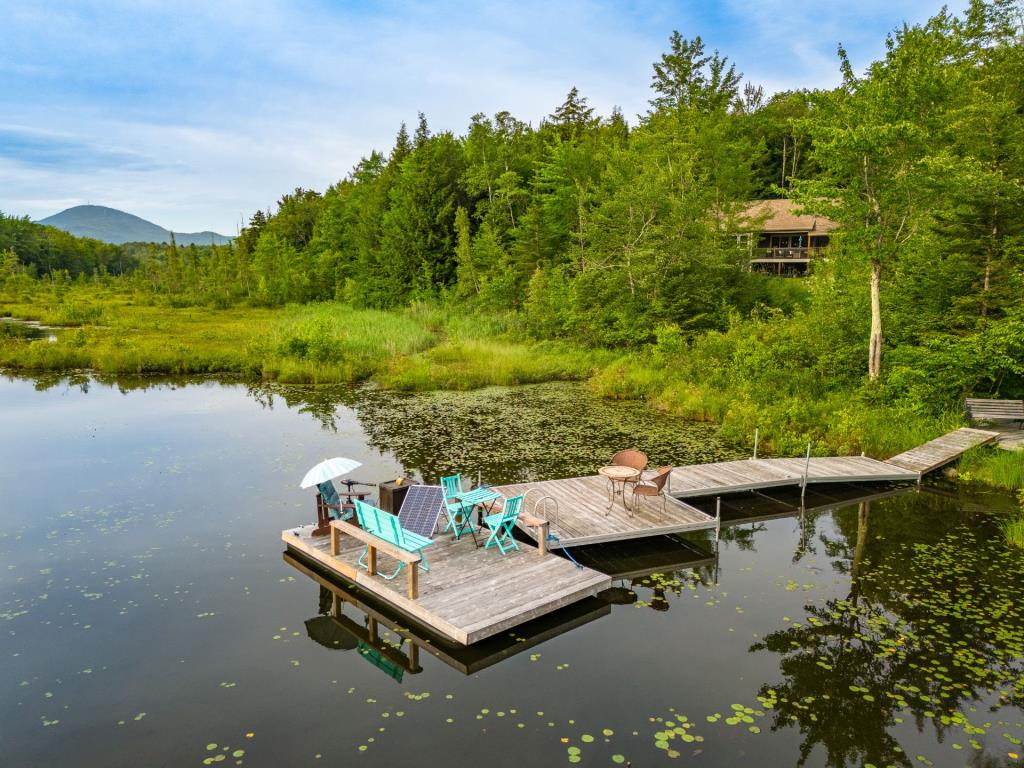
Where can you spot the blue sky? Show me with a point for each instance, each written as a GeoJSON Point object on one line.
{"type": "Point", "coordinates": [195, 114]}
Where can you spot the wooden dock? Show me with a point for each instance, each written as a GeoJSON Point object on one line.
{"type": "Point", "coordinates": [942, 450]}
{"type": "Point", "coordinates": [472, 594]}
{"type": "Point", "coordinates": [469, 594]}
{"type": "Point", "coordinates": [584, 515]}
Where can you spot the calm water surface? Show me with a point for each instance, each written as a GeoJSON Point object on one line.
{"type": "Point", "coordinates": [147, 617]}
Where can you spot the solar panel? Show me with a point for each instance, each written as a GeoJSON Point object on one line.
{"type": "Point", "coordinates": [420, 508]}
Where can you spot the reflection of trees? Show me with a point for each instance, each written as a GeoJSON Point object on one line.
{"type": "Point", "coordinates": [914, 636]}
{"type": "Point", "coordinates": [320, 402]}
{"type": "Point", "coordinates": [674, 583]}
{"type": "Point", "coordinates": [742, 535]}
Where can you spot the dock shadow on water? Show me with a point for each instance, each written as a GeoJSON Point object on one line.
{"type": "Point", "coordinates": [148, 617]}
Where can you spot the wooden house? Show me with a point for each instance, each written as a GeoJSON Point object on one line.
{"type": "Point", "coordinates": [780, 240]}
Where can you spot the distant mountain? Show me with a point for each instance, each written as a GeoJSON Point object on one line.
{"type": "Point", "coordinates": [114, 226]}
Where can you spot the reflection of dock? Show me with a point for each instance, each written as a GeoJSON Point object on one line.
{"type": "Point", "coordinates": [469, 594]}
{"type": "Point", "coordinates": [635, 558]}
{"type": "Point", "coordinates": [763, 506]}
{"type": "Point", "coordinates": [415, 638]}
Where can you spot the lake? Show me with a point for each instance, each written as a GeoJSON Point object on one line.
{"type": "Point", "coordinates": [147, 616]}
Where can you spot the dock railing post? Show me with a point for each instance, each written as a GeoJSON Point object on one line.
{"type": "Point", "coordinates": [757, 434]}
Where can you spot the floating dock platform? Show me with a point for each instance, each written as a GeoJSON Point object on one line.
{"type": "Point", "coordinates": [470, 593]}
{"type": "Point", "coordinates": [377, 626]}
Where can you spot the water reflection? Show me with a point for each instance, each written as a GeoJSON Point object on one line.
{"type": "Point", "coordinates": [145, 611]}
{"type": "Point", "coordinates": [928, 628]}
{"type": "Point", "coordinates": [26, 330]}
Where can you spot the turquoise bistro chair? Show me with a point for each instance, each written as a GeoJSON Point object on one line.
{"type": "Point", "coordinates": [460, 519]}
{"type": "Point", "coordinates": [501, 525]}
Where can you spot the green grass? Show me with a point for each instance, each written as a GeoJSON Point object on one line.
{"type": "Point", "coordinates": [994, 466]}
{"type": "Point", "coordinates": [422, 348]}
{"type": "Point", "coordinates": [1013, 528]}
{"type": "Point", "coordinates": [473, 363]}
{"type": "Point", "coordinates": [330, 343]}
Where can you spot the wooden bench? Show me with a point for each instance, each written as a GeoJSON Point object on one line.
{"type": "Point", "coordinates": [373, 543]}
{"type": "Point", "coordinates": [982, 409]}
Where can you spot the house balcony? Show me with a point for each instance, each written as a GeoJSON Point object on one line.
{"type": "Point", "coordinates": [785, 255]}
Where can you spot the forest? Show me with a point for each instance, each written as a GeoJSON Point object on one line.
{"type": "Point", "coordinates": [609, 243]}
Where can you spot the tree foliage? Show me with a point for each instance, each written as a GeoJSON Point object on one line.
{"type": "Point", "coordinates": [603, 233]}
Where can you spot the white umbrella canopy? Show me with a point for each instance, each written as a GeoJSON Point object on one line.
{"type": "Point", "coordinates": [328, 469]}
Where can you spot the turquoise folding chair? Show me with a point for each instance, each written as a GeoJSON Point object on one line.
{"type": "Point", "coordinates": [501, 525]}
{"type": "Point", "coordinates": [459, 518]}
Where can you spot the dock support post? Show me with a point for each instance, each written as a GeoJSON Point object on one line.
{"type": "Point", "coordinates": [414, 581]}
{"type": "Point", "coordinates": [757, 434]}
{"type": "Point", "coordinates": [718, 517]}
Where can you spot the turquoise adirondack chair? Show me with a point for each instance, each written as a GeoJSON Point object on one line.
{"type": "Point", "coordinates": [501, 525]}
{"type": "Point", "coordinates": [459, 518]}
{"type": "Point", "coordinates": [330, 496]}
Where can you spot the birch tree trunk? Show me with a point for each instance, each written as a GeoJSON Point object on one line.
{"type": "Point", "coordinates": [875, 343]}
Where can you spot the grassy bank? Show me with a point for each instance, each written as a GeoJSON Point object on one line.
{"type": "Point", "coordinates": [115, 333]}
{"type": "Point", "coordinates": [836, 422]}
{"type": "Point", "coordinates": [735, 378]}
{"type": "Point", "coordinates": [995, 467]}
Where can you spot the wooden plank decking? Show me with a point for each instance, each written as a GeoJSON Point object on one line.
{"type": "Point", "coordinates": [469, 594]}
{"type": "Point", "coordinates": [942, 450]}
{"type": "Point", "coordinates": [754, 474]}
{"type": "Point", "coordinates": [584, 515]}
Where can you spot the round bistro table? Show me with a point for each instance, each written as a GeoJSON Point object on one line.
{"type": "Point", "coordinates": [618, 476]}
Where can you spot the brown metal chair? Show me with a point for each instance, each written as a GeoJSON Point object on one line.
{"type": "Point", "coordinates": [653, 486]}
{"type": "Point", "coordinates": [631, 458]}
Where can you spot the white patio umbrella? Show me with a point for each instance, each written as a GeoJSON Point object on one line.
{"type": "Point", "coordinates": [328, 469]}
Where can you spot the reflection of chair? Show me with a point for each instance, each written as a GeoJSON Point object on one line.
{"type": "Point", "coordinates": [502, 523]}
{"type": "Point", "coordinates": [653, 486]}
{"type": "Point", "coordinates": [635, 459]}
{"type": "Point", "coordinates": [459, 518]}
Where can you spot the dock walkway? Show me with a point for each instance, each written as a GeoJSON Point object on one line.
{"type": "Point", "coordinates": [753, 474]}
{"type": "Point", "coordinates": [942, 450]}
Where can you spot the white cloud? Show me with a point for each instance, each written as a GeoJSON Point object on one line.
{"type": "Point", "coordinates": [233, 104]}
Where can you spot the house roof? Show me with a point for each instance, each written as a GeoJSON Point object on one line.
{"type": "Point", "coordinates": [781, 216]}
